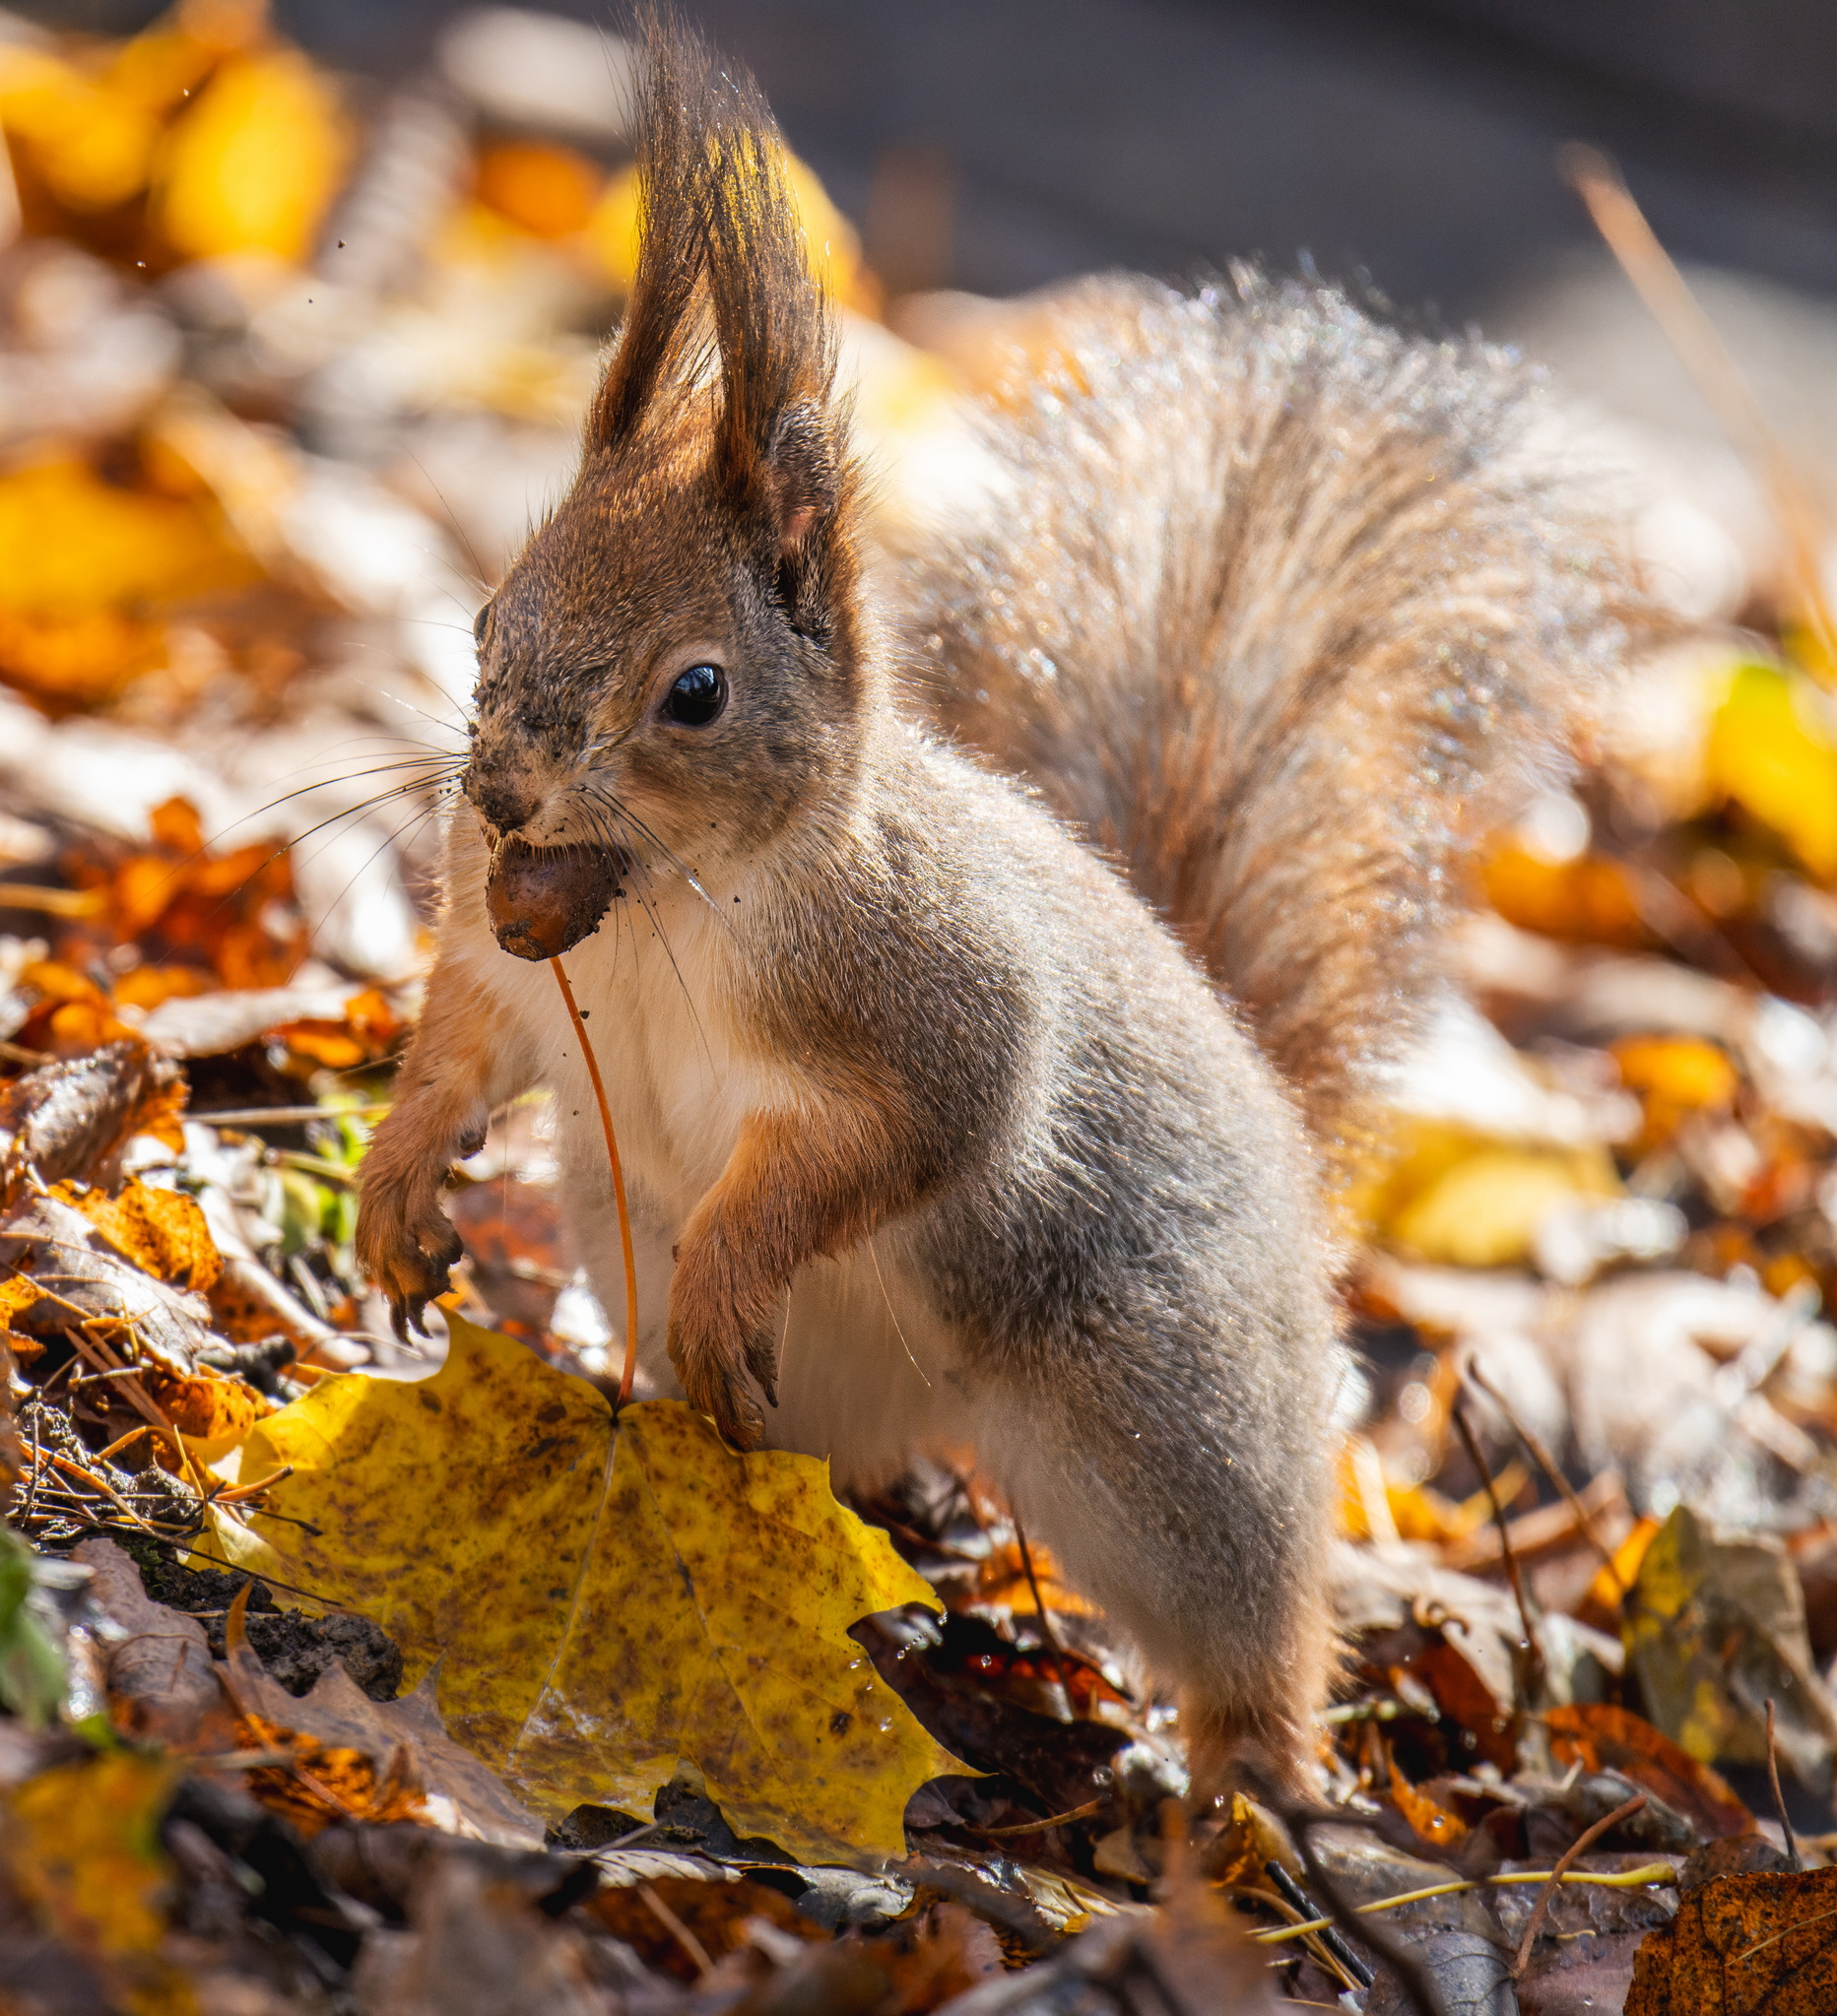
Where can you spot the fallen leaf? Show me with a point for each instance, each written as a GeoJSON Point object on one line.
{"type": "Point", "coordinates": [1584, 1957]}
{"type": "Point", "coordinates": [62, 1119]}
{"type": "Point", "coordinates": [1771, 751]}
{"type": "Point", "coordinates": [458, 1791]}
{"type": "Point", "coordinates": [162, 1683]}
{"type": "Point", "coordinates": [161, 1231]}
{"type": "Point", "coordinates": [1716, 1628]}
{"type": "Point", "coordinates": [480, 1942]}
{"type": "Point", "coordinates": [252, 166]}
{"type": "Point", "coordinates": [1428, 1820]}
{"type": "Point", "coordinates": [1603, 1737]}
{"type": "Point", "coordinates": [63, 1254]}
{"type": "Point", "coordinates": [1761, 1945]}
{"type": "Point", "coordinates": [684, 1603]}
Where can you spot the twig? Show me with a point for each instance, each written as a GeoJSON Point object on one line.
{"type": "Point", "coordinates": [1779, 1799]}
{"type": "Point", "coordinates": [677, 1930]}
{"type": "Point", "coordinates": [284, 1115]}
{"type": "Point", "coordinates": [1693, 336]}
{"type": "Point", "coordinates": [122, 1441]}
{"type": "Point", "coordinates": [101, 1484]}
{"type": "Point", "coordinates": [1533, 1653]}
{"type": "Point", "coordinates": [1618, 1879]}
{"type": "Point", "coordinates": [1576, 1849]}
{"type": "Point", "coordinates": [1410, 1969]}
{"type": "Point", "coordinates": [1541, 1456]}
{"type": "Point", "coordinates": [1054, 1652]}
{"type": "Point", "coordinates": [1306, 1909]}
{"type": "Point", "coordinates": [629, 1371]}
{"type": "Point", "coordinates": [239, 1492]}
{"type": "Point", "coordinates": [1082, 1812]}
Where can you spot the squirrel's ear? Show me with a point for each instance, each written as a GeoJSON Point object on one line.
{"type": "Point", "coordinates": [798, 477]}
{"type": "Point", "coordinates": [677, 100]}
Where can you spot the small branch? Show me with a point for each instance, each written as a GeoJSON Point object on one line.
{"type": "Point", "coordinates": [1533, 1653]}
{"type": "Point", "coordinates": [1779, 1799]}
{"type": "Point", "coordinates": [1541, 1456]}
{"type": "Point", "coordinates": [1084, 1812]}
{"type": "Point", "coordinates": [1547, 1895]}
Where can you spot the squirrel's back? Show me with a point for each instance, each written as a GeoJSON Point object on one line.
{"type": "Point", "coordinates": [1279, 607]}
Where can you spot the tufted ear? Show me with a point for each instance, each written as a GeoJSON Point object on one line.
{"type": "Point", "coordinates": [655, 353]}
{"type": "Point", "coordinates": [781, 438]}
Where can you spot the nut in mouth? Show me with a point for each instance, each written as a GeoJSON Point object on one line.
{"type": "Point", "coordinates": [544, 901]}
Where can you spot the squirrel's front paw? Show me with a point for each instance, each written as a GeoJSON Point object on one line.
{"type": "Point", "coordinates": [713, 1362]}
{"type": "Point", "coordinates": [407, 1244]}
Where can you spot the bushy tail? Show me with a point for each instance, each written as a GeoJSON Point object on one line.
{"type": "Point", "coordinates": [1277, 607]}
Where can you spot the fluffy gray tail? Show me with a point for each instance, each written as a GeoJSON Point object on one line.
{"type": "Point", "coordinates": [1280, 610]}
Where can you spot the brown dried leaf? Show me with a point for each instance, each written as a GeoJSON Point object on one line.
{"type": "Point", "coordinates": [1763, 1945]}
{"type": "Point", "coordinates": [66, 1256]}
{"type": "Point", "coordinates": [162, 1684]}
{"type": "Point", "coordinates": [161, 1231]}
{"type": "Point", "coordinates": [1608, 1739]}
{"type": "Point", "coordinates": [62, 1119]}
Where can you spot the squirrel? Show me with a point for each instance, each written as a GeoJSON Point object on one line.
{"type": "Point", "coordinates": [1005, 933]}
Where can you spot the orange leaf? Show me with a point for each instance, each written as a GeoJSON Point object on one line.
{"type": "Point", "coordinates": [1429, 1819]}
{"type": "Point", "coordinates": [1606, 1738]}
{"type": "Point", "coordinates": [161, 1230]}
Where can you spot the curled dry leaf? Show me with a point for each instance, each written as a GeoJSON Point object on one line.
{"type": "Point", "coordinates": [604, 1605]}
{"type": "Point", "coordinates": [79, 1275]}
{"type": "Point", "coordinates": [162, 1685]}
{"type": "Point", "coordinates": [1716, 1630]}
{"type": "Point", "coordinates": [63, 1119]}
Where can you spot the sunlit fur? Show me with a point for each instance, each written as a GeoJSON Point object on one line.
{"type": "Point", "coordinates": [939, 1139]}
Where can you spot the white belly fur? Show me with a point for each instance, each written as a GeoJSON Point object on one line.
{"type": "Point", "coordinates": [867, 1373]}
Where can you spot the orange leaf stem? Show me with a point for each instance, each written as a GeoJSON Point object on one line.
{"type": "Point", "coordinates": [630, 1371]}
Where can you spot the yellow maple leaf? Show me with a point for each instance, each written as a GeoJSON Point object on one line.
{"type": "Point", "coordinates": [604, 1605]}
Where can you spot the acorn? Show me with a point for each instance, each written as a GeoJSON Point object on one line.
{"type": "Point", "coordinates": [544, 901]}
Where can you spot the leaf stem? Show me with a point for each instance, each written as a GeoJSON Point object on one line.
{"type": "Point", "coordinates": [630, 1371]}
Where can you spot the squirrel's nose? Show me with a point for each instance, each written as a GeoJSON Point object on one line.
{"type": "Point", "coordinates": [507, 803]}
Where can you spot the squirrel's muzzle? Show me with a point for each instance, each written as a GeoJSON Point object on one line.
{"type": "Point", "coordinates": [544, 901]}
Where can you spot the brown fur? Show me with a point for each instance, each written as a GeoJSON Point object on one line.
{"type": "Point", "coordinates": [938, 1139]}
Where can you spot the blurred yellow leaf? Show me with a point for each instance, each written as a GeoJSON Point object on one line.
{"type": "Point", "coordinates": [254, 164]}
{"type": "Point", "coordinates": [1452, 1195]}
{"type": "Point", "coordinates": [604, 1605]}
{"type": "Point", "coordinates": [81, 1846]}
{"type": "Point", "coordinates": [1485, 1211]}
{"type": "Point", "coordinates": [92, 145]}
{"type": "Point", "coordinates": [1773, 750]}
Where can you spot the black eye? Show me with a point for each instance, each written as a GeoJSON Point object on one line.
{"type": "Point", "coordinates": [697, 696]}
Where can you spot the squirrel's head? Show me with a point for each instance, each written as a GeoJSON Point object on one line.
{"type": "Point", "coordinates": [672, 669]}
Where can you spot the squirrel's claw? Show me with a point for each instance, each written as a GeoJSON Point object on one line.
{"type": "Point", "coordinates": [410, 1254]}
{"type": "Point", "coordinates": [762, 1363]}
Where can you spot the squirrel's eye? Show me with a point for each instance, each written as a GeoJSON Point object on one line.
{"type": "Point", "coordinates": [697, 696]}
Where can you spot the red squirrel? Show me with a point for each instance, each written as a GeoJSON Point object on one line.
{"type": "Point", "coordinates": [992, 946]}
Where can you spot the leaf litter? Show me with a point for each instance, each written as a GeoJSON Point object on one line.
{"type": "Point", "coordinates": [336, 1677]}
